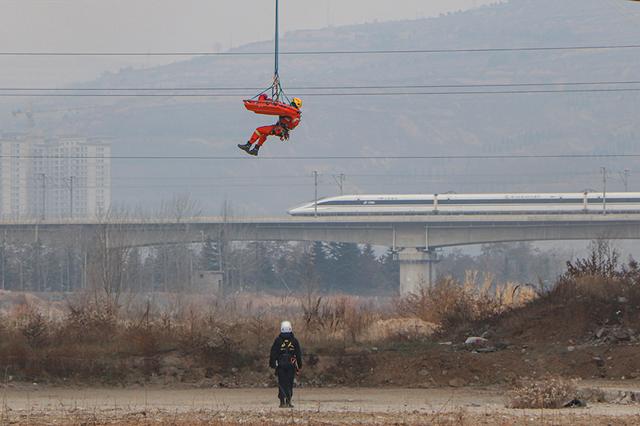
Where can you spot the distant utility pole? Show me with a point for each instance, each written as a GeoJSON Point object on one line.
{"type": "Point", "coordinates": [624, 175]}
{"type": "Point", "coordinates": [340, 181]}
{"type": "Point", "coordinates": [70, 197]}
{"type": "Point", "coordinates": [604, 189]}
{"type": "Point", "coordinates": [44, 195]}
{"type": "Point", "coordinates": [315, 183]}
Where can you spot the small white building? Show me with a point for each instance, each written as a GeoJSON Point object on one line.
{"type": "Point", "coordinates": [208, 282]}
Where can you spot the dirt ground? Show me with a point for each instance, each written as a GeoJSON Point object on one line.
{"type": "Point", "coordinates": [35, 405]}
{"type": "Point", "coordinates": [404, 375]}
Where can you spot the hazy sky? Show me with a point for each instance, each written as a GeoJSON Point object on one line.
{"type": "Point", "coordinates": [168, 25]}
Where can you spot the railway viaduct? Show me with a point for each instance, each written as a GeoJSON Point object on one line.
{"type": "Point", "coordinates": [414, 238]}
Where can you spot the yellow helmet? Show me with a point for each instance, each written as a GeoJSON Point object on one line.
{"type": "Point", "coordinates": [296, 102]}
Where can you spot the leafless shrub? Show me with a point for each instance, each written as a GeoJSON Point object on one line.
{"type": "Point", "coordinates": [259, 329]}
{"type": "Point", "coordinates": [550, 393]}
{"type": "Point", "coordinates": [89, 318]}
{"type": "Point", "coordinates": [602, 261]}
{"type": "Point", "coordinates": [598, 279]}
{"type": "Point", "coordinates": [311, 307]}
{"type": "Point", "coordinates": [356, 318]}
{"type": "Point", "coordinates": [340, 318]}
{"type": "Point", "coordinates": [31, 324]}
{"type": "Point", "coordinates": [322, 315]}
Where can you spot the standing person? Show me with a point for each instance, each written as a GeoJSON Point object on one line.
{"type": "Point", "coordinates": [286, 359]}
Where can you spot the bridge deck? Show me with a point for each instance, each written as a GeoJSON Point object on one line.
{"type": "Point", "coordinates": [510, 219]}
{"type": "Point", "coordinates": [429, 231]}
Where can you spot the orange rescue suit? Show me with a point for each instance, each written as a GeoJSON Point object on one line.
{"type": "Point", "coordinates": [281, 128]}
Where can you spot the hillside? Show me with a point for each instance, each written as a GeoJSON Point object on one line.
{"type": "Point", "coordinates": [394, 125]}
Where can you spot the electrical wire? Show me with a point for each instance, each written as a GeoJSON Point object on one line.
{"type": "Point", "coordinates": [54, 185]}
{"type": "Point", "coordinates": [211, 185]}
{"type": "Point", "coordinates": [297, 185]}
{"type": "Point", "coordinates": [334, 52]}
{"type": "Point", "coordinates": [345, 87]}
{"type": "Point", "coordinates": [362, 175]}
{"type": "Point", "coordinates": [337, 157]}
{"type": "Point", "coordinates": [351, 94]}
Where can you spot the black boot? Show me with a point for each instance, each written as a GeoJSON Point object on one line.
{"type": "Point", "coordinates": [289, 404]}
{"type": "Point", "coordinates": [283, 404]}
{"type": "Point", "coordinates": [246, 147]}
{"type": "Point", "coordinates": [254, 151]}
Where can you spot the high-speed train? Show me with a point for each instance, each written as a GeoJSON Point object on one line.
{"type": "Point", "coordinates": [426, 204]}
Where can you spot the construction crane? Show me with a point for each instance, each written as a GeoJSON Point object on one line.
{"type": "Point", "coordinates": [28, 113]}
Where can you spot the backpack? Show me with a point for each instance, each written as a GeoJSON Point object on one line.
{"type": "Point", "coordinates": [287, 357]}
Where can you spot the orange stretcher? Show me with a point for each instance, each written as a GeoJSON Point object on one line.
{"type": "Point", "coordinates": [270, 107]}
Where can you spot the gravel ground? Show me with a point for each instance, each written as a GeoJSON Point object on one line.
{"type": "Point", "coordinates": [41, 405]}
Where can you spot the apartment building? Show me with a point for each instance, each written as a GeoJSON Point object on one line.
{"type": "Point", "coordinates": [15, 175]}
{"type": "Point", "coordinates": [55, 178]}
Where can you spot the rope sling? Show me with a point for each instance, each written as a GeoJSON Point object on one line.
{"type": "Point", "coordinates": [279, 103]}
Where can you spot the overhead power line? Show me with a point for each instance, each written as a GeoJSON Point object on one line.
{"type": "Point", "coordinates": [424, 176]}
{"type": "Point", "coordinates": [341, 157]}
{"type": "Point", "coordinates": [312, 94]}
{"type": "Point", "coordinates": [168, 186]}
{"type": "Point", "coordinates": [344, 87]}
{"type": "Point", "coordinates": [332, 52]}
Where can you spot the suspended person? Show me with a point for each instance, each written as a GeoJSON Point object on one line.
{"type": "Point", "coordinates": [287, 122]}
{"type": "Point", "coordinates": [286, 359]}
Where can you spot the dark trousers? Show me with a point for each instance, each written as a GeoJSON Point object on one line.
{"type": "Point", "coordinates": [285, 382]}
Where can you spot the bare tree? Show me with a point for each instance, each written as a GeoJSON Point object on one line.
{"type": "Point", "coordinates": [176, 260]}
{"type": "Point", "coordinates": [180, 207]}
{"type": "Point", "coordinates": [108, 254]}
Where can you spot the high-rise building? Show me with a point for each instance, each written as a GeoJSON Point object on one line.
{"type": "Point", "coordinates": [57, 178]}
{"type": "Point", "coordinates": [15, 175]}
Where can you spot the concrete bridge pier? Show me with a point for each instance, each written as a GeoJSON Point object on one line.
{"type": "Point", "coordinates": [417, 269]}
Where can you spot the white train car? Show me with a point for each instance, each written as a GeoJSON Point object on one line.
{"type": "Point", "coordinates": [419, 204]}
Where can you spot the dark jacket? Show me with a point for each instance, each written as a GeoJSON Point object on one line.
{"type": "Point", "coordinates": [285, 346]}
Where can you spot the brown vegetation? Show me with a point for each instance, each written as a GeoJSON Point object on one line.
{"type": "Point", "coordinates": [548, 393]}
{"type": "Point", "coordinates": [596, 293]}
{"type": "Point", "coordinates": [109, 337]}
{"type": "Point", "coordinates": [97, 340]}
{"type": "Point", "coordinates": [450, 303]}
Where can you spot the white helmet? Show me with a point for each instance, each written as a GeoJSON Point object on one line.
{"type": "Point", "coordinates": [285, 327]}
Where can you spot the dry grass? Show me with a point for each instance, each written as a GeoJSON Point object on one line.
{"type": "Point", "coordinates": [450, 303]}
{"type": "Point", "coordinates": [276, 418]}
{"type": "Point", "coordinates": [95, 341]}
{"type": "Point", "coordinates": [327, 321]}
{"type": "Point", "coordinates": [550, 393]}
